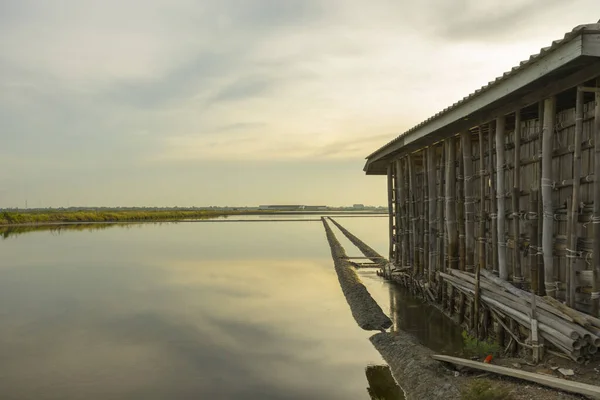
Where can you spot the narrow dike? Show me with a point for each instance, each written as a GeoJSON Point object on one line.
{"type": "Point", "coordinates": [364, 308]}
{"type": "Point", "coordinates": [420, 376]}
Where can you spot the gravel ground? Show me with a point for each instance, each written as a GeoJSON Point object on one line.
{"type": "Point", "coordinates": [364, 308]}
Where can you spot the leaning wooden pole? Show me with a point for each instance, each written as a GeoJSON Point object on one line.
{"type": "Point", "coordinates": [516, 196]}
{"type": "Point", "coordinates": [596, 218]}
{"type": "Point", "coordinates": [390, 186]}
{"type": "Point", "coordinates": [432, 196]}
{"type": "Point", "coordinates": [574, 212]}
{"type": "Point", "coordinates": [469, 200]}
{"type": "Point", "coordinates": [500, 198]}
{"type": "Point", "coordinates": [548, 209]}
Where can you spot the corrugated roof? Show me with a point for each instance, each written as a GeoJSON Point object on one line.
{"type": "Point", "coordinates": [578, 30]}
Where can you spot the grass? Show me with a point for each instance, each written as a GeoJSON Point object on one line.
{"type": "Point", "coordinates": [483, 390]}
{"type": "Point", "coordinates": [481, 348]}
{"type": "Point", "coordinates": [52, 217]}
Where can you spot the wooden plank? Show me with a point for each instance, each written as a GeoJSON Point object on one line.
{"type": "Point", "coordinates": [546, 380]}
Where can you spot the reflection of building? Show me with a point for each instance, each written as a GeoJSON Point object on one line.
{"type": "Point", "coordinates": [382, 385]}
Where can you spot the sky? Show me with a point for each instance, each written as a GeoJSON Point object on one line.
{"type": "Point", "coordinates": [238, 102]}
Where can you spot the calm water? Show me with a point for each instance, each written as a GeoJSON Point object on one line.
{"type": "Point", "coordinates": [188, 311]}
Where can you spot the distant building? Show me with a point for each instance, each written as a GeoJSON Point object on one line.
{"type": "Point", "coordinates": [281, 207]}
{"type": "Point", "coordinates": [358, 206]}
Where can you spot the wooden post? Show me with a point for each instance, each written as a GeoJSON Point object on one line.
{"type": "Point", "coordinates": [482, 236]}
{"type": "Point", "coordinates": [441, 240]}
{"type": "Point", "coordinates": [596, 219]}
{"type": "Point", "coordinates": [403, 211]}
{"type": "Point", "coordinates": [574, 212]}
{"type": "Point", "coordinates": [548, 209]}
{"type": "Point", "coordinates": [469, 199]}
{"type": "Point", "coordinates": [411, 212]}
{"type": "Point", "coordinates": [432, 195]}
{"type": "Point", "coordinates": [500, 197]}
{"type": "Point", "coordinates": [534, 332]}
{"type": "Point", "coordinates": [425, 214]}
{"type": "Point", "coordinates": [516, 196]}
{"type": "Point", "coordinates": [398, 205]}
{"type": "Point", "coordinates": [460, 213]}
{"type": "Point", "coordinates": [390, 210]}
{"type": "Point", "coordinates": [450, 200]}
{"type": "Point", "coordinates": [540, 209]}
{"type": "Point", "coordinates": [493, 212]}
{"type": "Point", "coordinates": [533, 240]}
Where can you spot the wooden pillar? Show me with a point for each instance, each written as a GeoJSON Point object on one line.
{"type": "Point", "coordinates": [493, 212]}
{"type": "Point", "coordinates": [516, 197]}
{"type": "Point", "coordinates": [469, 199]}
{"type": "Point", "coordinates": [398, 206]}
{"type": "Point", "coordinates": [423, 217]}
{"type": "Point", "coordinates": [441, 240]}
{"type": "Point", "coordinates": [482, 236]}
{"type": "Point", "coordinates": [450, 200]}
{"type": "Point", "coordinates": [596, 218]}
{"type": "Point", "coordinates": [403, 211]}
{"type": "Point", "coordinates": [574, 211]}
{"type": "Point", "coordinates": [432, 196]}
{"type": "Point", "coordinates": [460, 213]}
{"type": "Point", "coordinates": [390, 210]}
{"type": "Point", "coordinates": [533, 239]}
{"type": "Point", "coordinates": [411, 212]}
{"type": "Point", "coordinates": [548, 209]}
{"type": "Point", "coordinates": [540, 210]}
{"type": "Point", "coordinates": [500, 197]}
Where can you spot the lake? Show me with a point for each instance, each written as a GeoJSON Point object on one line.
{"type": "Point", "coordinates": [193, 310]}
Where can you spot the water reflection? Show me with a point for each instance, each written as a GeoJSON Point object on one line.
{"type": "Point", "coordinates": [382, 385]}
{"type": "Point", "coordinates": [215, 311]}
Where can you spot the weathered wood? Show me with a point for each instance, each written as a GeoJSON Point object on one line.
{"type": "Point", "coordinates": [403, 214]}
{"type": "Point", "coordinates": [450, 206]}
{"type": "Point", "coordinates": [516, 193]}
{"type": "Point", "coordinates": [398, 220]}
{"type": "Point", "coordinates": [440, 225]}
{"type": "Point", "coordinates": [493, 210]}
{"type": "Point", "coordinates": [460, 213]}
{"type": "Point", "coordinates": [501, 212]}
{"type": "Point", "coordinates": [390, 210]}
{"type": "Point", "coordinates": [432, 194]}
{"type": "Point", "coordinates": [550, 381]}
{"type": "Point", "coordinates": [540, 210]}
{"type": "Point", "coordinates": [425, 213]}
{"type": "Point", "coordinates": [548, 208]}
{"type": "Point", "coordinates": [411, 212]}
{"type": "Point", "coordinates": [595, 297]}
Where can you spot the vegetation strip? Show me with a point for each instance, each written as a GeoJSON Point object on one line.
{"type": "Point", "coordinates": [364, 308]}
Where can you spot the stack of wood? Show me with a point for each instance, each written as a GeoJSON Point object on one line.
{"type": "Point", "coordinates": [571, 332]}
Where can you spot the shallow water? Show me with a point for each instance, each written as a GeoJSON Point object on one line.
{"type": "Point", "coordinates": [188, 310]}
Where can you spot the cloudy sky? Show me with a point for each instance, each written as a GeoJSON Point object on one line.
{"type": "Point", "coordinates": [238, 102]}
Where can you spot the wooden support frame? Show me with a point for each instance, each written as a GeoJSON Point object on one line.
{"type": "Point", "coordinates": [390, 210]}
{"type": "Point", "coordinates": [596, 219]}
{"type": "Point", "coordinates": [516, 194]}
{"type": "Point", "coordinates": [493, 210]}
{"type": "Point", "coordinates": [432, 211]}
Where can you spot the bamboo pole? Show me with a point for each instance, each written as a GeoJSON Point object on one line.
{"type": "Point", "coordinates": [450, 203]}
{"type": "Point", "coordinates": [481, 262]}
{"type": "Point", "coordinates": [501, 213]}
{"type": "Point", "coordinates": [516, 194]}
{"type": "Point", "coordinates": [574, 215]}
{"type": "Point", "coordinates": [469, 200]}
{"type": "Point", "coordinates": [493, 213]}
{"type": "Point", "coordinates": [432, 195]}
{"type": "Point", "coordinates": [540, 210]}
{"type": "Point", "coordinates": [390, 210]}
{"type": "Point", "coordinates": [399, 225]}
{"type": "Point", "coordinates": [440, 225]}
{"type": "Point", "coordinates": [460, 213]}
{"type": "Point", "coordinates": [548, 209]}
{"type": "Point", "coordinates": [411, 212]}
{"type": "Point", "coordinates": [403, 212]}
{"type": "Point", "coordinates": [596, 219]}
{"type": "Point", "coordinates": [425, 214]}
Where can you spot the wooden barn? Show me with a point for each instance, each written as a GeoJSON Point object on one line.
{"type": "Point", "coordinates": [503, 183]}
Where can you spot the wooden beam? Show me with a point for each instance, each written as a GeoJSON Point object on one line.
{"type": "Point", "coordinates": [546, 183]}
{"type": "Point", "coordinates": [546, 380]}
{"type": "Point", "coordinates": [411, 212]}
{"type": "Point", "coordinates": [450, 203]}
{"type": "Point", "coordinates": [398, 217]}
{"type": "Point", "coordinates": [501, 213]}
{"type": "Point", "coordinates": [493, 210]}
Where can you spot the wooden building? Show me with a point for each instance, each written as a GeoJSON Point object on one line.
{"type": "Point", "coordinates": [504, 179]}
